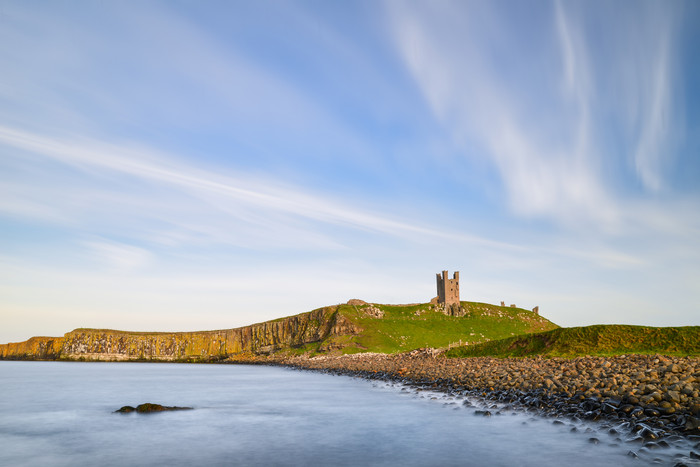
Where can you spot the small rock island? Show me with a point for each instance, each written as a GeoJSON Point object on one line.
{"type": "Point", "coordinates": [149, 408]}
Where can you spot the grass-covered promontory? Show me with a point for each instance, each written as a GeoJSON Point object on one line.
{"type": "Point", "coordinates": [400, 328]}
{"type": "Point", "coordinates": [347, 328]}
{"type": "Point", "coordinates": [600, 340]}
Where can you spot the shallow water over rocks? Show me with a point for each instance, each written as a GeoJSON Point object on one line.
{"type": "Point", "coordinates": [59, 413]}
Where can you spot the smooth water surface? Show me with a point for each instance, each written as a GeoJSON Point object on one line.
{"type": "Point", "coordinates": [61, 413]}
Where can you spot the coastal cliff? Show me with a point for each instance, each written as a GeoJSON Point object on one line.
{"type": "Point", "coordinates": [36, 348]}
{"type": "Point", "coordinates": [202, 346]}
{"type": "Point", "coordinates": [356, 326]}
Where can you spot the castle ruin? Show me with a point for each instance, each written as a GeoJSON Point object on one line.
{"type": "Point", "coordinates": [448, 289]}
{"type": "Point", "coordinates": [448, 294]}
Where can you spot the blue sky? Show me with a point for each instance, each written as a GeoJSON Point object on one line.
{"type": "Point", "coordinates": [203, 165]}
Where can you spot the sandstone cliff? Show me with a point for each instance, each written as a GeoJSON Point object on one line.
{"type": "Point", "coordinates": [36, 348]}
{"type": "Point", "coordinates": [110, 345]}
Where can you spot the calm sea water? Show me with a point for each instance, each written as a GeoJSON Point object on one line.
{"type": "Point", "coordinates": [60, 413]}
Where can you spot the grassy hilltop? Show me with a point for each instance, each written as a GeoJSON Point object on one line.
{"type": "Point", "coordinates": [399, 328]}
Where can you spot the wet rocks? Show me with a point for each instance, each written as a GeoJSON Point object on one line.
{"type": "Point", "coordinates": [149, 408]}
{"type": "Point", "coordinates": [646, 396]}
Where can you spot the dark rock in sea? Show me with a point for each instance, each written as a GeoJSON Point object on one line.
{"type": "Point", "coordinates": [483, 413]}
{"type": "Point", "coordinates": [692, 423]}
{"type": "Point", "coordinates": [150, 408]}
{"type": "Point", "coordinates": [593, 440]}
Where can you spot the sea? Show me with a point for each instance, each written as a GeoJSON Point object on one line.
{"type": "Point", "coordinates": [63, 414]}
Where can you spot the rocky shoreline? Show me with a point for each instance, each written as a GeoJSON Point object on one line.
{"type": "Point", "coordinates": [651, 400]}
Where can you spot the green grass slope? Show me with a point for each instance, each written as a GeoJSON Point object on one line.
{"type": "Point", "coordinates": [601, 340]}
{"type": "Point", "coordinates": [406, 327]}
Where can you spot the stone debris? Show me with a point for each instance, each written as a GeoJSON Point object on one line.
{"type": "Point", "coordinates": [372, 311]}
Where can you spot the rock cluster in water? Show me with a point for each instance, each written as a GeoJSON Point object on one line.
{"type": "Point", "coordinates": [149, 408]}
{"type": "Point", "coordinates": [647, 396]}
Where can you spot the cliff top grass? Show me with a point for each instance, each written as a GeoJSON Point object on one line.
{"type": "Point", "coordinates": [597, 340]}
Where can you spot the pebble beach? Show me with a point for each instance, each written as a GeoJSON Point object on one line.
{"type": "Point", "coordinates": [649, 399]}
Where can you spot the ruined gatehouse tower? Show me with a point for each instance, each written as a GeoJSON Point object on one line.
{"type": "Point", "coordinates": [448, 294]}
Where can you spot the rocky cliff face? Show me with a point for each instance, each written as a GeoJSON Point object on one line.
{"type": "Point", "coordinates": [109, 345]}
{"type": "Point", "coordinates": [36, 348]}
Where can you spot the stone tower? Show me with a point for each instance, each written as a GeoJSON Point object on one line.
{"type": "Point", "coordinates": [448, 290]}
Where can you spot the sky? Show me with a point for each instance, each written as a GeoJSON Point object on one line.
{"type": "Point", "coordinates": [190, 165]}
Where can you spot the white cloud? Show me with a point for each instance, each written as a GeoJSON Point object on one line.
{"type": "Point", "coordinates": [547, 144]}
{"type": "Point", "coordinates": [542, 177]}
{"type": "Point", "coordinates": [654, 82]}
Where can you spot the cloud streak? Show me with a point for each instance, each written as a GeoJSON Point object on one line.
{"type": "Point", "coordinates": [206, 206]}
{"type": "Point", "coordinates": [548, 146]}
{"type": "Point", "coordinates": [258, 194]}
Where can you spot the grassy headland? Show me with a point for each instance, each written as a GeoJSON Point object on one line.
{"type": "Point", "coordinates": [357, 327]}
{"type": "Point", "coordinates": [348, 328]}
{"type": "Point", "coordinates": [600, 340]}
{"type": "Point", "coordinates": [400, 328]}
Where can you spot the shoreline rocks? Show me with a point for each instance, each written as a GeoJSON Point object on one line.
{"type": "Point", "coordinates": [647, 396]}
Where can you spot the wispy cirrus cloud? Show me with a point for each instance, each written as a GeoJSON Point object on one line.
{"type": "Point", "coordinates": [658, 120]}
{"type": "Point", "coordinates": [545, 131]}
{"type": "Point", "coordinates": [159, 200]}
{"type": "Point", "coordinates": [542, 175]}
{"type": "Point", "coordinates": [243, 197]}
